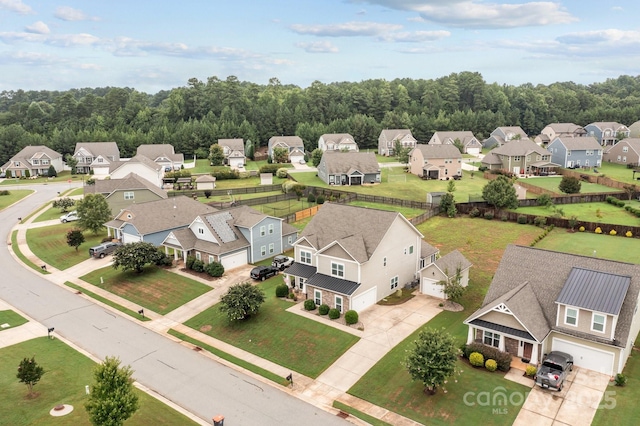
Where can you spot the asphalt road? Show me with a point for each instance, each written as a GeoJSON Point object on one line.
{"type": "Point", "coordinates": [193, 381]}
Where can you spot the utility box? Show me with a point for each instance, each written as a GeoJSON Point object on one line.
{"type": "Point", "coordinates": [218, 420]}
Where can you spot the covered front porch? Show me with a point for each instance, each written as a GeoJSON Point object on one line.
{"type": "Point", "coordinates": [517, 343]}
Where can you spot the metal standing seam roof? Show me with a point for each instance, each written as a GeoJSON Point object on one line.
{"type": "Point", "coordinates": [301, 270]}
{"type": "Point", "coordinates": [503, 329]}
{"type": "Point", "coordinates": [593, 290]}
{"type": "Point", "coordinates": [333, 284]}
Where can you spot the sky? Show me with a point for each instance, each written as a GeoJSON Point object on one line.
{"type": "Point", "coordinates": [159, 45]}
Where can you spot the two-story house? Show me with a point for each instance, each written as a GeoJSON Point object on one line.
{"type": "Point", "coordinates": [389, 137]}
{"type": "Point", "coordinates": [559, 130]}
{"type": "Point", "coordinates": [162, 154]}
{"type": "Point", "coordinates": [627, 151]}
{"type": "Point", "coordinates": [572, 152]}
{"type": "Point", "coordinates": [121, 193]}
{"type": "Point", "coordinates": [233, 150]}
{"type": "Point", "coordinates": [292, 144]}
{"type": "Point", "coordinates": [468, 142]}
{"type": "Point", "coordinates": [232, 237]}
{"type": "Point", "coordinates": [435, 162]}
{"type": "Point", "coordinates": [33, 161]}
{"type": "Point", "coordinates": [349, 168]}
{"type": "Point", "coordinates": [503, 135]}
{"type": "Point", "coordinates": [541, 301]}
{"type": "Point", "coordinates": [337, 142]}
{"type": "Point", "coordinates": [96, 157]}
{"type": "Point", "coordinates": [607, 133]}
{"type": "Point", "coordinates": [521, 157]}
{"type": "Point", "coordinates": [140, 165]}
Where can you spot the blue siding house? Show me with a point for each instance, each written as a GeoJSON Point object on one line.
{"type": "Point", "coordinates": [573, 153]}
{"type": "Point", "coordinates": [607, 133]}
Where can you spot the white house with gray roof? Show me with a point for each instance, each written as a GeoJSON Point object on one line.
{"type": "Point", "coordinates": [96, 157]}
{"type": "Point", "coordinates": [389, 137]}
{"type": "Point", "coordinates": [33, 160]}
{"type": "Point", "coordinates": [541, 301]}
{"type": "Point", "coordinates": [470, 144]}
{"type": "Point", "coordinates": [349, 168]}
{"type": "Point", "coordinates": [162, 154]}
{"type": "Point", "coordinates": [233, 150]}
{"type": "Point", "coordinates": [337, 142]}
{"type": "Point", "coordinates": [141, 166]}
{"type": "Point", "coordinates": [292, 144]}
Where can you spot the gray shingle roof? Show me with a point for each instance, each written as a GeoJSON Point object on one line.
{"type": "Point", "coordinates": [502, 329]}
{"type": "Point", "coordinates": [337, 137]}
{"type": "Point", "coordinates": [232, 144]}
{"type": "Point", "coordinates": [140, 159]}
{"type": "Point", "coordinates": [579, 144]}
{"type": "Point", "coordinates": [450, 262]}
{"type": "Point", "coordinates": [106, 149]}
{"type": "Point", "coordinates": [130, 182]}
{"type": "Point", "coordinates": [427, 249]}
{"type": "Point", "coordinates": [596, 291]}
{"type": "Point", "coordinates": [438, 151]}
{"type": "Point", "coordinates": [336, 285]}
{"type": "Point", "coordinates": [520, 147]}
{"type": "Point", "coordinates": [633, 143]}
{"type": "Point", "coordinates": [342, 162]}
{"type": "Point", "coordinates": [290, 141]}
{"type": "Point", "coordinates": [395, 134]}
{"type": "Point", "coordinates": [463, 136]}
{"type": "Point", "coordinates": [155, 150]}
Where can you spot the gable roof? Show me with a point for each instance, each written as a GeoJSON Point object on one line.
{"type": "Point", "coordinates": [107, 150]}
{"type": "Point", "coordinates": [463, 136]}
{"type": "Point", "coordinates": [290, 141]}
{"type": "Point", "coordinates": [633, 143]}
{"type": "Point", "coordinates": [579, 144]}
{"type": "Point", "coordinates": [593, 290]}
{"type": "Point", "coordinates": [491, 158]}
{"type": "Point", "coordinates": [232, 144]}
{"type": "Point", "coordinates": [138, 159]}
{"type": "Point", "coordinates": [510, 130]}
{"type": "Point", "coordinates": [395, 134]}
{"type": "Point", "coordinates": [607, 125]}
{"type": "Point", "coordinates": [337, 137]}
{"type": "Point", "coordinates": [36, 151]}
{"type": "Point", "coordinates": [450, 262]}
{"type": "Point", "coordinates": [130, 182]}
{"type": "Point", "coordinates": [343, 162]}
{"type": "Point", "coordinates": [438, 151]}
{"type": "Point", "coordinates": [565, 128]}
{"type": "Point", "coordinates": [520, 147]}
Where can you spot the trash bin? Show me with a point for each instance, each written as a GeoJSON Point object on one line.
{"type": "Point", "coordinates": [218, 420]}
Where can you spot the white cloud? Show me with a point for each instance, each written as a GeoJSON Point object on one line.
{"type": "Point", "coordinates": [38, 28]}
{"type": "Point", "coordinates": [347, 29]}
{"type": "Point", "coordinates": [318, 47]}
{"type": "Point", "coordinates": [16, 6]}
{"type": "Point", "coordinates": [64, 40]}
{"type": "Point", "coordinates": [415, 37]}
{"type": "Point", "coordinates": [91, 67]}
{"type": "Point", "coordinates": [30, 58]}
{"type": "Point", "coordinates": [67, 13]}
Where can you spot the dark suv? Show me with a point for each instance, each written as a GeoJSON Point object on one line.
{"type": "Point", "coordinates": [263, 272]}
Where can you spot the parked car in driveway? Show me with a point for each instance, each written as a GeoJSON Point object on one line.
{"type": "Point", "coordinates": [282, 262]}
{"type": "Point", "coordinates": [69, 217]}
{"type": "Point", "coordinates": [554, 370]}
{"type": "Point", "coordinates": [104, 249]}
{"type": "Point", "coordinates": [263, 272]}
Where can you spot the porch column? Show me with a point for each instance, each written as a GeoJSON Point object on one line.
{"type": "Point", "coordinates": [501, 343]}
{"type": "Point", "coordinates": [471, 333]}
{"type": "Point", "coordinates": [535, 354]}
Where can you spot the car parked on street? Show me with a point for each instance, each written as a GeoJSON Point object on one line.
{"type": "Point", "coordinates": [69, 217]}
{"type": "Point", "coordinates": [554, 370]}
{"type": "Point", "coordinates": [282, 262]}
{"type": "Point", "coordinates": [104, 249]}
{"type": "Point", "coordinates": [263, 272]}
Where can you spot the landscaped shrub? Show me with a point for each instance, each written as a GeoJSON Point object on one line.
{"type": "Point", "coordinates": [309, 305]}
{"type": "Point", "coordinates": [320, 199]}
{"type": "Point", "coordinates": [474, 212]}
{"type": "Point", "coordinates": [488, 215]}
{"type": "Point", "coordinates": [629, 234]}
{"type": "Point", "coordinates": [163, 259]}
{"type": "Point", "coordinates": [270, 168]}
{"type": "Point", "coordinates": [620, 379]}
{"type": "Point", "coordinates": [225, 174]}
{"type": "Point", "coordinates": [522, 219]}
{"type": "Point", "coordinates": [311, 198]}
{"type": "Point", "coordinates": [598, 230]}
{"type": "Point", "coordinates": [323, 309]}
{"type": "Point", "coordinates": [198, 266]}
{"type": "Point", "coordinates": [282, 290]}
{"type": "Point", "coordinates": [351, 317]}
{"type": "Point", "coordinates": [540, 221]}
{"type": "Point", "coordinates": [293, 296]}
{"type": "Point", "coordinates": [581, 229]}
{"type": "Point", "coordinates": [189, 262]}
{"type": "Point", "coordinates": [613, 232]}
{"type": "Point", "coordinates": [504, 217]}
{"type": "Point", "coordinates": [503, 359]}
{"type": "Point", "coordinates": [530, 371]}
{"type": "Point", "coordinates": [476, 359]}
{"type": "Point", "coordinates": [334, 313]}
{"type": "Point", "coordinates": [282, 173]}
{"type": "Point", "coordinates": [214, 269]}
{"type": "Point", "coordinates": [491, 365]}
{"type": "Point", "coordinates": [207, 193]}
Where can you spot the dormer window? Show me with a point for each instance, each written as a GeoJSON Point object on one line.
{"type": "Point", "coordinates": [571, 316]}
{"type": "Point", "coordinates": [598, 322]}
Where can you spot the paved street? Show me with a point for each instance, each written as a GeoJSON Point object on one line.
{"type": "Point", "coordinates": [201, 385]}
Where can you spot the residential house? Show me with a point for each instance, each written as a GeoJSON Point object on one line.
{"type": "Point", "coordinates": [435, 161]}
{"type": "Point", "coordinates": [121, 193]}
{"type": "Point", "coordinates": [140, 165]}
{"type": "Point", "coordinates": [33, 161]}
{"type": "Point", "coordinates": [634, 130]}
{"type": "Point", "coordinates": [96, 157]}
{"type": "Point", "coordinates": [502, 135]}
{"type": "Point", "coordinates": [233, 150]}
{"type": "Point", "coordinates": [349, 168]}
{"type": "Point", "coordinates": [293, 144]}
{"type": "Point", "coordinates": [607, 133]}
{"type": "Point", "coordinates": [521, 157]}
{"type": "Point", "coordinates": [541, 301]}
{"type": "Point", "coordinates": [468, 142]}
{"type": "Point", "coordinates": [570, 152]}
{"type": "Point", "coordinates": [154, 220]}
{"type": "Point", "coordinates": [205, 182]}
{"type": "Point", "coordinates": [559, 130]}
{"type": "Point", "coordinates": [232, 237]}
{"type": "Point", "coordinates": [389, 137]}
{"type": "Point", "coordinates": [162, 154]}
{"type": "Point", "coordinates": [444, 269]}
{"type": "Point", "coordinates": [337, 142]}
{"type": "Point", "coordinates": [627, 151]}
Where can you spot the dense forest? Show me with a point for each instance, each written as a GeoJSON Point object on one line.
{"type": "Point", "coordinates": [194, 116]}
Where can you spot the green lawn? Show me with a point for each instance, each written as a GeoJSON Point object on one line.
{"type": "Point", "coordinates": [107, 302]}
{"type": "Point", "coordinates": [551, 183]}
{"type": "Point", "coordinates": [22, 257]}
{"type": "Point", "coordinates": [203, 166]}
{"type": "Point", "coordinates": [12, 319]}
{"type": "Point", "coordinates": [249, 182]}
{"type": "Point", "coordinates": [62, 177]}
{"type": "Point", "coordinates": [49, 244]}
{"type": "Point", "coordinates": [14, 196]}
{"type": "Point", "coordinates": [227, 198]}
{"type": "Point", "coordinates": [618, 172]}
{"type": "Point", "coordinates": [155, 288]}
{"type": "Point", "coordinates": [295, 342]}
{"type": "Point", "coordinates": [406, 211]}
{"type": "Point", "coordinates": [66, 374]}
{"type": "Point", "coordinates": [589, 212]}
{"type": "Point", "coordinates": [585, 243]}
{"type": "Point", "coordinates": [50, 214]}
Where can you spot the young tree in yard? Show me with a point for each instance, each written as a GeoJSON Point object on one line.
{"type": "Point", "coordinates": [93, 212]}
{"type": "Point", "coordinates": [401, 152]}
{"type": "Point", "coordinates": [316, 156]}
{"type": "Point", "coordinates": [280, 155]}
{"type": "Point", "coordinates": [452, 287]}
{"type": "Point", "coordinates": [241, 301]}
{"type": "Point", "coordinates": [500, 193]}
{"type": "Point", "coordinates": [72, 162]}
{"type": "Point", "coordinates": [75, 238]}
{"type": "Point", "coordinates": [216, 155]}
{"type": "Point", "coordinates": [51, 172]}
{"type": "Point", "coordinates": [249, 149]}
{"type": "Point", "coordinates": [570, 185]}
{"type": "Point", "coordinates": [135, 256]}
{"type": "Point", "coordinates": [64, 204]}
{"type": "Point", "coordinates": [112, 399]}
{"type": "Point", "coordinates": [29, 373]}
{"type": "Point", "coordinates": [448, 205]}
{"type": "Point", "coordinates": [433, 359]}
{"type": "Point", "coordinates": [630, 190]}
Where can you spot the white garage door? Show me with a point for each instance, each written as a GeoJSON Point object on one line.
{"type": "Point", "coordinates": [431, 288]}
{"type": "Point", "coordinates": [129, 238]}
{"type": "Point", "coordinates": [363, 301]}
{"type": "Point", "coordinates": [473, 151]}
{"type": "Point", "coordinates": [296, 158]}
{"type": "Point", "coordinates": [586, 357]}
{"type": "Point", "coordinates": [234, 260]}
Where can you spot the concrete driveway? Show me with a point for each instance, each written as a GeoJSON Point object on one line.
{"type": "Point", "coordinates": [575, 405]}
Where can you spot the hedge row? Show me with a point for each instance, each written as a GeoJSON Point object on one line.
{"type": "Point", "coordinates": [503, 359]}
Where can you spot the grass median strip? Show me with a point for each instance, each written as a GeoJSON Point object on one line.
{"type": "Point", "coordinates": [22, 257]}
{"type": "Point", "coordinates": [232, 359]}
{"type": "Point", "coordinates": [106, 301]}
{"type": "Point", "coordinates": [11, 319]}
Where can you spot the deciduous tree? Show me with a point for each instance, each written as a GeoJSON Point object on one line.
{"type": "Point", "coordinates": [316, 156]}
{"type": "Point", "coordinates": [216, 155]}
{"type": "Point", "coordinates": [500, 193]}
{"type": "Point", "coordinates": [30, 373]}
{"type": "Point", "coordinates": [241, 301]}
{"type": "Point", "coordinates": [135, 256]}
{"type": "Point", "coordinates": [570, 185]}
{"type": "Point", "coordinates": [432, 360]}
{"type": "Point", "coordinates": [93, 212]}
{"type": "Point", "coordinates": [75, 238]}
{"type": "Point", "coordinates": [64, 204]}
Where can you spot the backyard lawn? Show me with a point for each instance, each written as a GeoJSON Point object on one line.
{"type": "Point", "coordinates": [66, 374]}
{"type": "Point", "coordinates": [155, 288]}
{"type": "Point", "coordinates": [49, 244]}
{"type": "Point", "coordinates": [589, 212]}
{"type": "Point", "coordinates": [551, 183]}
{"type": "Point", "coordinates": [10, 319]}
{"type": "Point", "coordinates": [14, 196]}
{"type": "Point", "coordinates": [407, 212]}
{"type": "Point", "coordinates": [295, 342]}
{"type": "Point", "coordinates": [618, 172]}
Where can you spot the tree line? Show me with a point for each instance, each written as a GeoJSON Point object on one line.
{"type": "Point", "coordinates": [195, 116]}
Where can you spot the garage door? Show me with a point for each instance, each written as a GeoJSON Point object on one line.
{"type": "Point", "coordinates": [586, 357]}
{"type": "Point", "coordinates": [431, 288]}
{"type": "Point", "coordinates": [234, 260]}
{"type": "Point", "coordinates": [473, 151]}
{"type": "Point", "coordinates": [364, 300]}
{"type": "Point", "coordinates": [129, 238]}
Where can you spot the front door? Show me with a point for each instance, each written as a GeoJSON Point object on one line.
{"type": "Point", "coordinates": [527, 350]}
